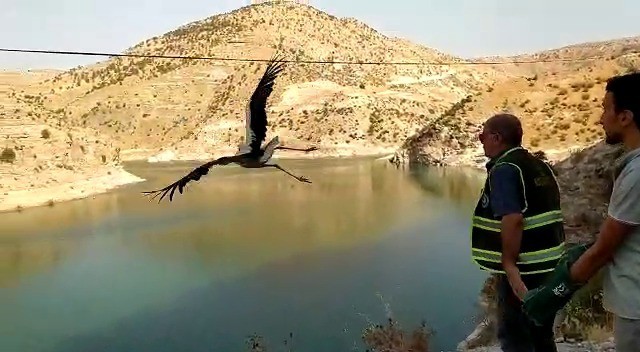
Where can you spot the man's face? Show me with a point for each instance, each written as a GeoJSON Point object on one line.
{"type": "Point", "coordinates": [490, 141]}
{"type": "Point", "coordinates": [614, 123]}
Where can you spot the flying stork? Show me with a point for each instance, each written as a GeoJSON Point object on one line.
{"type": "Point", "coordinates": [250, 154]}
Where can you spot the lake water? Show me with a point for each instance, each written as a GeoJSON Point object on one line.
{"type": "Point", "coordinates": [243, 252]}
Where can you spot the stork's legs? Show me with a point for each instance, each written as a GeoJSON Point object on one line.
{"type": "Point", "coordinates": [310, 149]}
{"type": "Point", "coordinates": [299, 178]}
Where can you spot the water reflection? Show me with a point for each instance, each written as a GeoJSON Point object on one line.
{"type": "Point", "coordinates": [259, 217]}
{"type": "Point", "coordinates": [461, 185]}
{"type": "Point", "coordinates": [234, 216]}
{"type": "Point", "coordinates": [240, 251]}
{"type": "Point", "coordinates": [19, 259]}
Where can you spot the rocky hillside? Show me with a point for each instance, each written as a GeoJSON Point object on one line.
{"type": "Point", "coordinates": [558, 102]}
{"type": "Point", "coordinates": [196, 107]}
{"type": "Point", "coordinates": [42, 162]}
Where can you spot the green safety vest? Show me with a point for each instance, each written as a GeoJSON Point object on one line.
{"type": "Point", "coordinates": [543, 240]}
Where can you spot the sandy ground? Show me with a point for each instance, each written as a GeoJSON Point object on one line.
{"type": "Point", "coordinates": [98, 182]}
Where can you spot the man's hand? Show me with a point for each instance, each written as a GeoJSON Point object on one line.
{"type": "Point", "coordinates": [515, 280]}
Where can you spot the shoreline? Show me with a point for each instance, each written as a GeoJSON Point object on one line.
{"type": "Point", "coordinates": [106, 180]}
{"type": "Point", "coordinates": [112, 177]}
{"type": "Point", "coordinates": [140, 155]}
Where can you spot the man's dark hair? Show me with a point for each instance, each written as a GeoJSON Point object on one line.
{"type": "Point", "coordinates": [508, 126]}
{"type": "Point", "coordinates": [626, 94]}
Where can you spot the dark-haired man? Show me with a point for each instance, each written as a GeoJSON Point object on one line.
{"type": "Point", "coordinates": [617, 246]}
{"type": "Point", "coordinates": [517, 230]}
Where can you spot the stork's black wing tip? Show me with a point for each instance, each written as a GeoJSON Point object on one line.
{"type": "Point", "coordinates": [277, 59]}
{"type": "Point", "coordinates": [161, 192]}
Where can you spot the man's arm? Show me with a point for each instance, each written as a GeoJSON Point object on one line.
{"type": "Point", "coordinates": [623, 217]}
{"type": "Point", "coordinates": [506, 191]}
{"type": "Point", "coordinates": [512, 225]}
{"type": "Point", "coordinates": [612, 234]}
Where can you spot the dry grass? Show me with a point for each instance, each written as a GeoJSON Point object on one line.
{"type": "Point", "coordinates": [376, 338]}
{"type": "Point", "coordinates": [392, 338]}
{"type": "Point", "coordinates": [387, 337]}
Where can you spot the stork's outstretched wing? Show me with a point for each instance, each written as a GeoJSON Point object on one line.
{"type": "Point", "coordinates": [194, 175]}
{"type": "Point", "coordinates": [256, 119]}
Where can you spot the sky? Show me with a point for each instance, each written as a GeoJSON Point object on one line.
{"type": "Point", "coordinates": [466, 28]}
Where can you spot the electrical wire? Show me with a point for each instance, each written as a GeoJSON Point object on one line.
{"type": "Point", "coordinates": [214, 58]}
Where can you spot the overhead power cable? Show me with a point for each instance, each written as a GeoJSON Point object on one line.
{"type": "Point", "coordinates": [215, 58]}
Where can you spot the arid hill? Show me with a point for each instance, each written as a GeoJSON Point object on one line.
{"type": "Point", "coordinates": [137, 108]}
{"type": "Point", "coordinates": [63, 128]}
{"type": "Point", "coordinates": [195, 108]}
{"type": "Point", "coordinates": [42, 162]}
{"type": "Point", "coordinates": [558, 102]}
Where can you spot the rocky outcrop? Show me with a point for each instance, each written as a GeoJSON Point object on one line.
{"type": "Point", "coordinates": [447, 140]}
{"type": "Point", "coordinates": [586, 181]}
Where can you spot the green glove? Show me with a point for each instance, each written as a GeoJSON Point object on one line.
{"type": "Point", "coordinates": [542, 303]}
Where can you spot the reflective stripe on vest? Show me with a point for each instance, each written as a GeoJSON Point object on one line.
{"type": "Point", "coordinates": [536, 260]}
{"type": "Point", "coordinates": [497, 268]}
{"type": "Point", "coordinates": [531, 222]}
{"type": "Point", "coordinates": [524, 258]}
{"type": "Point", "coordinates": [529, 262]}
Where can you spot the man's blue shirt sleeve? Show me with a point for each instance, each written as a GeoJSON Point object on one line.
{"type": "Point", "coordinates": [506, 190]}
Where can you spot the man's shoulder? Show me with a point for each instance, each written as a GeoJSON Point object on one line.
{"type": "Point", "coordinates": [506, 167]}
{"type": "Point", "coordinates": [633, 166]}
{"type": "Point", "coordinates": [623, 204]}
{"type": "Point", "coordinates": [629, 175]}
{"type": "Point", "coordinates": [505, 171]}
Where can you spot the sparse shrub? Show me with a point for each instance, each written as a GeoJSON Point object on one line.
{"type": "Point", "coordinates": [564, 125]}
{"type": "Point", "coordinates": [8, 155]}
{"type": "Point", "coordinates": [45, 134]}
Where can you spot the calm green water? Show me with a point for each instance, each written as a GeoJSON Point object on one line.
{"type": "Point", "coordinates": [243, 252]}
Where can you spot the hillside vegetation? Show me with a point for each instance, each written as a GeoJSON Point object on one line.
{"type": "Point", "coordinates": [43, 162]}
{"type": "Point", "coordinates": [559, 102]}
{"type": "Point", "coordinates": [63, 128]}
{"type": "Point", "coordinates": [194, 108]}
